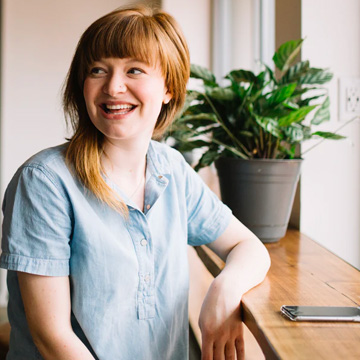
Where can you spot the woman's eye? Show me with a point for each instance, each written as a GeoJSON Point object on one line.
{"type": "Point", "coordinates": [97, 71]}
{"type": "Point", "coordinates": [136, 71]}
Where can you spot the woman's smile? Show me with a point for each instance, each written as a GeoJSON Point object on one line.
{"type": "Point", "coordinates": [113, 110]}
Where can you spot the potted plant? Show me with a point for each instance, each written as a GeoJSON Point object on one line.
{"type": "Point", "coordinates": [251, 128]}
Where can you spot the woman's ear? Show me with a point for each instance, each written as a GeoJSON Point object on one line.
{"type": "Point", "coordinates": [167, 97]}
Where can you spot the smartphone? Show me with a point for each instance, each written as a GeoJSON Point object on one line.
{"type": "Point", "coordinates": [321, 313]}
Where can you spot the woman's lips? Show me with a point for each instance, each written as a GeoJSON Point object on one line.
{"type": "Point", "coordinates": [117, 109]}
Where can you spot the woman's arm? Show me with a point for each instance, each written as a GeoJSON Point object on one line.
{"type": "Point", "coordinates": [48, 308]}
{"type": "Point", "coordinates": [247, 262]}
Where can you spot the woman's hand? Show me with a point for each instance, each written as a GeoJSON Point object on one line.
{"type": "Point", "coordinates": [247, 262]}
{"type": "Point", "coordinates": [221, 325]}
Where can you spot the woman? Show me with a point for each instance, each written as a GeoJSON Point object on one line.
{"type": "Point", "coordinates": [96, 230]}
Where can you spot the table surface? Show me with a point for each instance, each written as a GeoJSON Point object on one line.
{"type": "Point", "coordinates": [302, 273]}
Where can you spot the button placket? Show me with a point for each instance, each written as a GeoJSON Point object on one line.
{"type": "Point", "coordinates": [140, 233]}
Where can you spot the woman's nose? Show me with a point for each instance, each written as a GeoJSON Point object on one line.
{"type": "Point", "coordinates": [114, 85]}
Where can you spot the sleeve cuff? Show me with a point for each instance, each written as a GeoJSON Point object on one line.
{"type": "Point", "coordinates": [218, 225]}
{"type": "Point", "coordinates": [46, 267]}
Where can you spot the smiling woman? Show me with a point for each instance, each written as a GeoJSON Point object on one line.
{"type": "Point", "coordinates": [96, 230]}
{"type": "Point", "coordinates": [154, 42]}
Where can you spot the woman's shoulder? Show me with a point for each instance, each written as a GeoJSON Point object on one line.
{"type": "Point", "coordinates": [46, 165]}
{"type": "Point", "coordinates": [52, 157]}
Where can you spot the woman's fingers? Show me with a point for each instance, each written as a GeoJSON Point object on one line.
{"type": "Point", "coordinates": [240, 348]}
{"type": "Point", "coordinates": [230, 351]}
{"type": "Point", "coordinates": [207, 350]}
{"type": "Point", "coordinates": [217, 350]}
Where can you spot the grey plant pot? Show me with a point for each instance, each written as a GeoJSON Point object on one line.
{"type": "Point", "coordinates": [260, 192]}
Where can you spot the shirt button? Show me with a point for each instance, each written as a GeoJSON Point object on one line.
{"type": "Point", "coordinates": [147, 278]}
{"type": "Point", "coordinates": [143, 242]}
{"type": "Point", "coordinates": [160, 176]}
{"type": "Point", "coordinates": [147, 206]}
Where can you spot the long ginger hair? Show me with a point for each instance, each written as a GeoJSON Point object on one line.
{"type": "Point", "coordinates": [139, 32]}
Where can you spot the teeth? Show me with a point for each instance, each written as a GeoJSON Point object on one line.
{"type": "Point", "coordinates": [119, 107]}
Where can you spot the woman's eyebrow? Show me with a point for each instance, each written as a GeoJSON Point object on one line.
{"type": "Point", "coordinates": [129, 60]}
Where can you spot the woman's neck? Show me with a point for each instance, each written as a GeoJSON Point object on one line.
{"type": "Point", "coordinates": [123, 158]}
{"type": "Point", "coordinates": [125, 165]}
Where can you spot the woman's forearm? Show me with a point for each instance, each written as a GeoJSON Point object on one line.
{"type": "Point", "coordinates": [64, 346]}
{"type": "Point", "coordinates": [246, 266]}
{"type": "Point", "coordinates": [47, 306]}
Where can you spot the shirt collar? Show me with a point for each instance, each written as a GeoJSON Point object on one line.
{"type": "Point", "coordinates": [157, 164]}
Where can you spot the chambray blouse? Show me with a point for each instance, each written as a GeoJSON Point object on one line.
{"type": "Point", "coordinates": [128, 278]}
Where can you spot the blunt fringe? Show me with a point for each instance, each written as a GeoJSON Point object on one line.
{"type": "Point", "coordinates": [138, 32]}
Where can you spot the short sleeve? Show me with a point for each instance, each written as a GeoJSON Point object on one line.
{"type": "Point", "coordinates": [208, 217]}
{"type": "Point", "coordinates": [37, 224]}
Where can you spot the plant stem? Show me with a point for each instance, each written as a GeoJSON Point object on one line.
{"type": "Point", "coordinates": [261, 139]}
{"type": "Point", "coordinates": [222, 124]}
{"type": "Point", "coordinates": [269, 146]}
{"type": "Point", "coordinates": [323, 139]}
{"type": "Point", "coordinates": [230, 148]}
{"type": "Point", "coordinates": [257, 147]}
{"type": "Point", "coordinates": [275, 148]}
{"type": "Point", "coordinates": [245, 97]}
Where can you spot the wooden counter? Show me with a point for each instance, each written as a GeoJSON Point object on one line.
{"type": "Point", "coordinates": [302, 273]}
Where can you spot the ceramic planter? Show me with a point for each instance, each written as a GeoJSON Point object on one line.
{"type": "Point", "coordinates": [260, 192]}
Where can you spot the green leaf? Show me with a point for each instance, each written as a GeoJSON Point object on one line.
{"type": "Point", "coordinates": [295, 116]}
{"type": "Point", "coordinates": [270, 125]}
{"type": "Point", "coordinates": [260, 79]}
{"type": "Point", "coordinates": [200, 72]}
{"type": "Point", "coordinates": [278, 112]}
{"type": "Point", "coordinates": [294, 72]}
{"type": "Point", "coordinates": [294, 132]}
{"type": "Point", "coordinates": [241, 76]}
{"type": "Point", "coordinates": [210, 118]}
{"type": "Point", "coordinates": [303, 90]}
{"type": "Point", "coordinates": [246, 133]}
{"type": "Point", "coordinates": [290, 105]}
{"type": "Point", "coordinates": [190, 97]}
{"type": "Point", "coordinates": [306, 101]}
{"type": "Point", "coordinates": [328, 135]}
{"type": "Point", "coordinates": [191, 145]}
{"type": "Point", "coordinates": [271, 74]}
{"type": "Point", "coordinates": [281, 94]}
{"type": "Point", "coordinates": [316, 76]}
{"type": "Point", "coordinates": [223, 94]}
{"type": "Point", "coordinates": [286, 54]}
{"type": "Point", "coordinates": [258, 94]}
{"type": "Point", "coordinates": [197, 108]}
{"type": "Point", "coordinates": [323, 113]}
{"type": "Point", "coordinates": [207, 159]}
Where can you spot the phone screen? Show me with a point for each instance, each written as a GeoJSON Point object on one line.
{"type": "Point", "coordinates": [333, 313]}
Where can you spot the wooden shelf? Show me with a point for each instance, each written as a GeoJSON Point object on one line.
{"type": "Point", "coordinates": [302, 273]}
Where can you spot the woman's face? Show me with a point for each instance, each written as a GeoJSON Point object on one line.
{"type": "Point", "coordinates": [124, 97]}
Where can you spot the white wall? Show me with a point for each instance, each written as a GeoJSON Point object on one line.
{"type": "Point", "coordinates": [330, 183]}
{"type": "Point", "coordinates": [38, 41]}
{"type": "Point", "coordinates": [244, 42]}
{"type": "Point", "coordinates": [194, 17]}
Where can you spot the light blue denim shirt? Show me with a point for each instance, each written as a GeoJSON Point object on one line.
{"type": "Point", "coordinates": [129, 278]}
